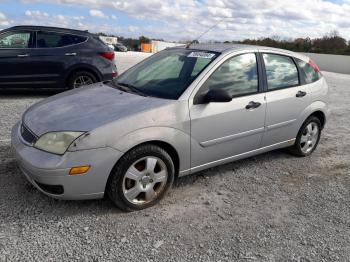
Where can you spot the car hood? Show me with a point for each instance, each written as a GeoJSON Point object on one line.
{"type": "Point", "coordinates": [86, 108]}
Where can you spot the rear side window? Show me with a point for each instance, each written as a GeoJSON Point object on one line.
{"type": "Point", "coordinates": [77, 39]}
{"type": "Point", "coordinates": [281, 71]}
{"type": "Point", "coordinates": [309, 74]}
{"type": "Point", "coordinates": [18, 39]}
{"type": "Point", "coordinates": [53, 39]}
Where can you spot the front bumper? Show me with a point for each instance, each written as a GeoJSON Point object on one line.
{"type": "Point", "coordinates": [49, 173]}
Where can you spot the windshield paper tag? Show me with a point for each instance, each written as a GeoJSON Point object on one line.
{"type": "Point", "coordinates": [201, 55]}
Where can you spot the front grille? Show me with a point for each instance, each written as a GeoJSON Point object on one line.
{"type": "Point", "coordinates": [27, 135]}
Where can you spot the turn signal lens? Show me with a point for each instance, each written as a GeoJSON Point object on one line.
{"type": "Point", "coordinates": [79, 170]}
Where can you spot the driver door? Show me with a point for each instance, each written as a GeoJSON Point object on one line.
{"type": "Point", "coordinates": [223, 130]}
{"type": "Point", "coordinates": [15, 58]}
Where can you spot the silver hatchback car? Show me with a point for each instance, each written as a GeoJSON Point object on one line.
{"type": "Point", "coordinates": [178, 112]}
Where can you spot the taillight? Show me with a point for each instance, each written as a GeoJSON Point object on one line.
{"type": "Point", "coordinates": [108, 55]}
{"type": "Point", "coordinates": [314, 65]}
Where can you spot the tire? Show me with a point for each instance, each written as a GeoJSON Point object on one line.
{"type": "Point", "coordinates": [301, 147]}
{"type": "Point", "coordinates": [138, 174]}
{"type": "Point", "coordinates": [86, 78]}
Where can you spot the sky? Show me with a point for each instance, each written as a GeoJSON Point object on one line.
{"type": "Point", "coordinates": [180, 20]}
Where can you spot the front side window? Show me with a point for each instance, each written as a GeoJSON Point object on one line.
{"type": "Point", "coordinates": [308, 72]}
{"type": "Point", "coordinates": [53, 39]}
{"type": "Point", "coordinates": [281, 71]}
{"type": "Point", "coordinates": [238, 76]}
{"type": "Point", "coordinates": [16, 39]}
{"type": "Point", "coordinates": [166, 74]}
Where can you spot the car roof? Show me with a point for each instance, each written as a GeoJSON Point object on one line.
{"type": "Point", "coordinates": [226, 48]}
{"type": "Point", "coordinates": [47, 28]}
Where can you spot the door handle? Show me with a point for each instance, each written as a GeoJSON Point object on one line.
{"type": "Point", "coordinates": [70, 54]}
{"type": "Point", "coordinates": [253, 105]}
{"type": "Point", "coordinates": [300, 94]}
{"type": "Point", "coordinates": [23, 55]}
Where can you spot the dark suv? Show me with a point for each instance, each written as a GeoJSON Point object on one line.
{"type": "Point", "coordinates": [50, 57]}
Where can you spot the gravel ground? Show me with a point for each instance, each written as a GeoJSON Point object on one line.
{"type": "Point", "coordinates": [272, 207]}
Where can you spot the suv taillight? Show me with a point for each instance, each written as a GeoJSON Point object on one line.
{"type": "Point", "coordinates": [314, 65]}
{"type": "Point", "coordinates": [108, 55]}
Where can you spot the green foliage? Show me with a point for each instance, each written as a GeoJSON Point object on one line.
{"type": "Point", "coordinates": [144, 40]}
{"type": "Point", "coordinates": [331, 43]}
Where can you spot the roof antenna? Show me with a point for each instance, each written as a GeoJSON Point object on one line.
{"type": "Point", "coordinates": [196, 39]}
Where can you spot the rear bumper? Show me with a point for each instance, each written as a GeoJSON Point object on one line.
{"type": "Point", "coordinates": [108, 77]}
{"type": "Point", "coordinates": [49, 173]}
{"type": "Point", "coordinates": [111, 74]}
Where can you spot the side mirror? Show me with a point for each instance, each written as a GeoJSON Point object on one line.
{"type": "Point", "coordinates": [217, 96]}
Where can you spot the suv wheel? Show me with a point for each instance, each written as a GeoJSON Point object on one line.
{"type": "Point", "coordinates": [308, 137]}
{"type": "Point", "coordinates": [141, 178]}
{"type": "Point", "coordinates": [80, 79]}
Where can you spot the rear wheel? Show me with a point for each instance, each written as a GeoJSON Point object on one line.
{"type": "Point", "coordinates": [81, 78]}
{"type": "Point", "coordinates": [308, 137]}
{"type": "Point", "coordinates": [141, 178]}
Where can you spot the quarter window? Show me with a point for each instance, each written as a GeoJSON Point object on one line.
{"type": "Point", "coordinates": [238, 76]}
{"type": "Point", "coordinates": [281, 71]}
{"type": "Point", "coordinates": [16, 40]}
{"type": "Point", "coordinates": [52, 39]}
{"type": "Point", "coordinates": [308, 72]}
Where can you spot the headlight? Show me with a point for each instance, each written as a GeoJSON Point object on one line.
{"type": "Point", "coordinates": [57, 142]}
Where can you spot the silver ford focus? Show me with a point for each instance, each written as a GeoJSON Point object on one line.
{"type": "Point", "coordinates": [178, 112]}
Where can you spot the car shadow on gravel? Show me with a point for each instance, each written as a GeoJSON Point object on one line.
{"type": "Point", "coordinates": [16, 191]}
{"type": "Point", "coordinates": [20, 200]}
{"type": "Point", "coordinates": [258, 160]}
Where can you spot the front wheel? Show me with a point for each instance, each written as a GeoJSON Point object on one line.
{"type": "Point", "coordinates": [141, 178]}
{"type": "Point", "coordinates": [308, 137]}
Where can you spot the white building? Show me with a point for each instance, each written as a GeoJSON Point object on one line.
{"type": "Point", "coordinates": [109, 40]}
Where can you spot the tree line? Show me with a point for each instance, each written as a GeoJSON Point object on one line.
{"type": "Point", "coordinates": [331, 43]}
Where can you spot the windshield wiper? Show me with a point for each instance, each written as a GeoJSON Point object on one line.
{"type": "Point", "coordinates": [127, 87]}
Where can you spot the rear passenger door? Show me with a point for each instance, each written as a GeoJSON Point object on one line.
{"type": "Point", "coordinates": [54, 53]}
{"type": "Point", "coordinates": [286, 98]}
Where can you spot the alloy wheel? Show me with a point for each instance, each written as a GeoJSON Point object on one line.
{"type": "Point", "coordinates": [309, 137]}
{"type": "Point", "coordinates": [145, 180]}
{"type": "Point", "coordinates": [82, 80]}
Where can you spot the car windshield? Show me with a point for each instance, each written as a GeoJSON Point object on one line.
{"type": "Point", "coordinates": [166, 74]}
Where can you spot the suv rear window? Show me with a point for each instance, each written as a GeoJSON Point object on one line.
{"type": "Point", "coordinates": [53, 39]}
{"type": "Point", "coordinates": [309, 74]}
